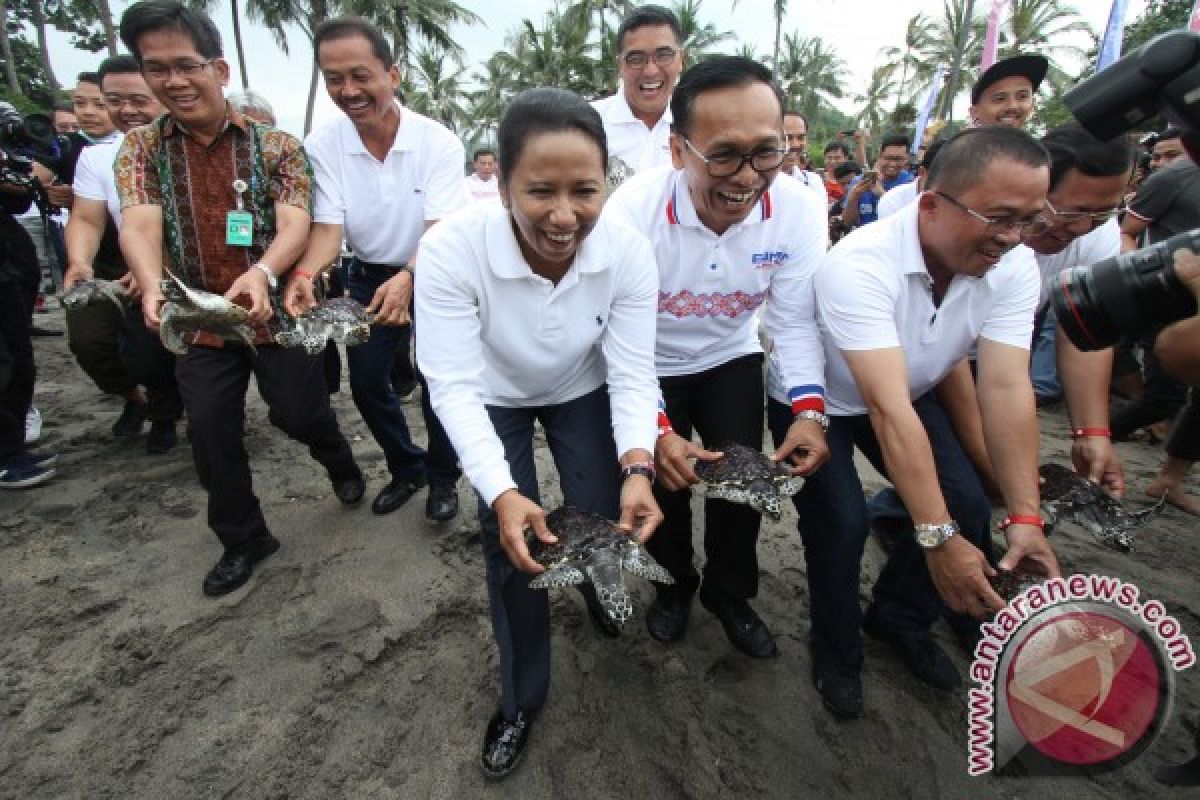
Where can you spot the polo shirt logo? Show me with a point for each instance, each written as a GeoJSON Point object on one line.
{"type": "Point", "coordinates": [769, 259]}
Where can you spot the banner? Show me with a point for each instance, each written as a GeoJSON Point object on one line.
{"type": "Point", "coordinates": [992, 37]}
{"type": "Point", "coordinates": [1194, 22]}
{"type": "Point", "coordinates": [1110, 47]}
{"type": "Point", "coordinates": [927, 107]}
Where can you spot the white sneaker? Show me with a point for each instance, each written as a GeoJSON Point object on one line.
{"type": "Point", "coordinates": [33, 425]}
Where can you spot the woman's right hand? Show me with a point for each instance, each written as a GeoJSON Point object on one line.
{"type": "Point", "coordinates": [516, 512]}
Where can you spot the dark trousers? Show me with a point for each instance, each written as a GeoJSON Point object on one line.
{"type": "Point", "coordinates": [213, 383]}
{"type": "Point", "coordinates": [1162, 399]}
{"type": "Point", "coordinates": [1184, 441]}
{"type": "Point", "coordinates": [579, 434]}
{"type": "Point", "coordinates": [371, 366]}
{"type": "Point", "coordinates": [833, 524]}
{"type": "Point", "coordinates": [16, 368]}
{"type": "Point", "coordinates": [150, 365]}
{"type": "Point", "coordinates": [723, 404]}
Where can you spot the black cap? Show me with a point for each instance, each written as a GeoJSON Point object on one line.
{"type": "Point", "coordinates": [1032, 67]}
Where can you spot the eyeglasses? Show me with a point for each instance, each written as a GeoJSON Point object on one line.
{"type": "Point", "coordinates": [1093, 217]}
{"type": "Point", "coordinates": [140, 102]}
{"type": "Point", "coordinates": [185, 69]}
{"type": "Point", "coordinates": [724, 164]}
{"type": "Point", "coordinates": [639, 58]}
{"type": "Point", "coordinates": [992, 223]}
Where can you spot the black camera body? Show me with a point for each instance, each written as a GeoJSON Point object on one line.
{"type": "Point", "coordinates": [29, 138]}
{"type": "Point", "coordinates": [1136, 291]}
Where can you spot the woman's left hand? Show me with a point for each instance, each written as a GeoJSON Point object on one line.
{"type": "Point", "coordinates": [640, 514]}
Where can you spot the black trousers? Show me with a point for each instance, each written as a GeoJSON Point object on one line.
{"type": "Point", "coordinates": [213, 383]}
{"type": "Point", "coordinates": [16, 367]}
{"type": "Point", "coordinates": [151, 365]}
{"type": "Point", "coordinates": [1163, 398]}
{"type": "Point", "coordinates": [723, 404]}
{"type": "Point", "coordinates": [1184, 441]}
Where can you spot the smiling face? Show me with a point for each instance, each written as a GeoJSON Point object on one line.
{"type": "Point", "coordinates": [190, 86]}
{"type": "Point", "coordinates": [1008, 101]}
{"type": "Point", "coordinates": [90, 110]}
{"type": "Point", "coordinates": [1075, 193]}
{"type": "Point", "coordinates": [892, 159]}
{"type": "Point", "coordinates": [129, 100]}
{"type": "Point", "coordinates": [648, 88]}
{"type": "Point", "coordinates": [359, 83]}
{"type": "Point", "coordinates": [554, 194]}
{"type": "Point", "coordinates": [735, 120]}
{"type": "Point", "coordinates": [795, 130]}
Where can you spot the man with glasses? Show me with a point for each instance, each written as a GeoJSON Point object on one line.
{"type": "Point", "coordinates": [901, 303]}
{"type": "Point", "coordinates": [862, 201]}
{"type": "Point", "coordinates": [728, 238]}
{"type": "Point", "coordinates": [114, 348]}
{"type": "Point", "coordinates": [190, 185]}
{"type": "Point", "coordinates": [637, 120]}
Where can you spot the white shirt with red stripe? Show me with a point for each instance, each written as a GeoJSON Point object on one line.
{"type": "Point", "coordinates": [710, 286]}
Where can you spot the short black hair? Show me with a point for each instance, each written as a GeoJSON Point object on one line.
{"type": "Point", "coordinates": [63, 105]}
{"type": "Point", "coordinates": [545, 110]}
{"type": "Point", "coordinates": [88, 77]}
{"type": "Point", "coordinates": [645, 15]}
{"type": "Point", "coordinates": [122, 64]}
{"type": "Point", "coordinates": [894, 140]}
{"type": "Point", "coordinates": [931, 151]}
{"type": "Point", "coordinates": [1072, 147]}
{"type": "Point", "coordinates": [347, 26]}
{"type": "Point", "coordinates": [846, 168]}
{"type": "Point", "coordinates": [483, 151]}
{"type": "Point", "coordinates": [832, 146]}
{"type": "Point", "coordinates": [718, 72]}
{"type": "Point", "coordinates": [965, 157]}
{"type": "Point", "coordinates": [1169, 133]}
{"type": "Point", "coordinates": [151, 16]}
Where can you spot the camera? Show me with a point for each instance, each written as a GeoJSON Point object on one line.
{"type": "Point", "coordinates": [1135, 291]}
{"type": "Point", "coordinates": [29, 138]}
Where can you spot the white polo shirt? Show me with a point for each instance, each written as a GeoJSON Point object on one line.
{"type": "Point", "coordinates": [495, 333]}
{"type": "Point", "coordinates": [874, 291]}
{"type": "Point", "coordinates": [95, 178]}
{"type": "Point", "coordinates": [383, 207]}
{"type": "Point", "coordinates": [896, 198]}
{"type": "Point", "coordinates": [1091, 248]}
{"type": "Point", "coordinates": [629, 139]}
{"type": "Point", "coordinates": [481, 190]}
{"type": "Point", "coordinates": [710, 286]}
{"type": "Point", "coordinates": [811, 181]}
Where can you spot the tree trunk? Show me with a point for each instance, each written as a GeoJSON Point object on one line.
{"type": "Point", "coordinates": [10, 68]}
{"type": "Point", "coordinates": [237, 40]}
{"type": "Point", "coordinates": [312, 97]}
{"type": "Point", "coordinates": [778, 31]}
{"type": "Point", "coordinates": [39, 24]}
{"type": "Point", "coordinates": [964, 34]}
{"type": "Point", "coordinates": [110, 30]}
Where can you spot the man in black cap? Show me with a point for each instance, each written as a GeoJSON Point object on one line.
{"type": "Point", "coordinates": [1004, 93]}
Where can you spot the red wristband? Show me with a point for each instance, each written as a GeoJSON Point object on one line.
{"type": "Point", "coordinates": [1079, 433]}
{"type": "Point", "coordinates": [664, 424]}
{"type": "Point", "coordinates": [303, 273]}
{"type": "Point", "coordinates": [1021, 519]}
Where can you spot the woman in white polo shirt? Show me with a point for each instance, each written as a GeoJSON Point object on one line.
{"type": "Point", "coordinates": [532, 311]}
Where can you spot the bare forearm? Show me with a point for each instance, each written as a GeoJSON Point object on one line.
{"type": "Point", "coordinates": [850, 209]}
{"type": "Point", "coordinates": [1178, 348]}
{"type": "Point", "coordinates": [323, 248]}
{"type": "Point", "coordinates": [1010, 430]}
{"type": "Point", "coordinates": [910, 465]}
{"type": "Point", "coordinates": [1128, 242]}
{"type": "Point", "coordinates": [1085, 378]}
{"type": "Point", "coordinates": [291, 236]}
{"type": "Point", "coordinates": [141, 245]}
{"type": "Point", "coordinates": [961, 402]}
{"type": "Point", "coordinates": [82, 237]}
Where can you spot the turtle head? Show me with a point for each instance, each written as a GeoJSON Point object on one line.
{"type": "Point", "coordinates": [606, 576]}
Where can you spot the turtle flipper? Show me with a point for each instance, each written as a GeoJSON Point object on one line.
{"type": "Point", "coordinates": [169, 333]}
{"type": "Point", "coordinates": [562, 575]}
{"type": "Point", "coordinates": [639, 562]}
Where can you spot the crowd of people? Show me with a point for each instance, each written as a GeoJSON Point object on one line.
{"type": "Point", "coordinates": [697, 305]}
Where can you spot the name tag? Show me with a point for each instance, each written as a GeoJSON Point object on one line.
{"type": "Point", "coordinates": [239, 228]}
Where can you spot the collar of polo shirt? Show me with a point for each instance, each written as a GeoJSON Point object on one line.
{"type": "Point", "coordinates": [405, 141]}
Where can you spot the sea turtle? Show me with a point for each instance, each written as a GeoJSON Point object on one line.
{"type": "Point", "coordinates": [91, 292]}
{"type": "Point", "coordinates": [1099, 513]}
{"type": "Point", "coordinates": [1009, 583]}
{"type": "Point", "coordinates": [745, 475]}
{"type": "Point", "coordinates": [189, 310]}
{"type": "Point", "coordinates": [618, 172]}
{"type": "Point", "coordinates": [592, 549]}
{"type": "Point", "coordinates": [339, 319]}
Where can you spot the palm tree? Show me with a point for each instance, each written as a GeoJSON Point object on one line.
{"type": "Point", "coordinates": [437, 86]}
{"type": "Point", "coordinates": [37, 14]}
{"type": "Point", "coordinates": [207, 7]}
{"type": "Point", "coordinates": [873, 114]}
{"type": "Point", "coordinates": [406, 19]}
{"type": "Point", "coordinates": [779, 9]}
{"type": "Point", "coordinates": [304, 14]}
{"type": "Point", "coordinates": [957, 40]}
{"type": "Point", "coordinates": [557, 54]}
{"type": "Point", "coordinates": [698, 39]}
{"type": "Point", "coordinates": [810, 74]}
{"type": "Point", "coordinates": [918, 35]}
{"type": "Point", "coordinates": [1039, 26]}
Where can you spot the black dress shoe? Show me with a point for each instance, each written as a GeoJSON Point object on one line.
{"type": "Point", "coordinates": [395, 494]}
{"type": "Point", "coordinates": [744, 628]}
{"type": "Point", "coordinates": [917, 649]}
{"type": "Point", "coordinates": [441, 504]}
{"type": "Point", "coordinates": [162, 437]}
{"type": "Point", "coordinates": [349, 488]}
{"type": "Point", "coordinates": [133, 416]}
{"type": "Point", "coordinates": [601, 621]}
{"type": "Point", "coordinates": [236, 566]}
{"type": "Point", "coordinates": [667, 616]}
{"type": "Point", "coordinates": [840, 690]}
{"type": "Point", "coordinates": [503, 744]}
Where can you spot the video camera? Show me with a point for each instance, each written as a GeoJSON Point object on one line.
{"type": "Point", "coordinates": [30, 138]}
{"type": "Point", "coordinates": [1133, 292]}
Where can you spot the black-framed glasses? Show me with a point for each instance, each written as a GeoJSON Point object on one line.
{"type": "Point", "coordinates": [1094, 218]}
{"type": "Point", "coordinates": [992, 223]}
{"type": "Point", "coordinates": [185, 69]}
{"type": "Point", "coordinates": [141, 102]}
{"type": "Point", "coordinates": [639, 58]}
{"type": "Point", "coordinates": [726, 163]}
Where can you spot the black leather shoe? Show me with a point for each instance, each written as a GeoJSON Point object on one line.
{"type": "Point", "coordinates": [133, 416]}
{"type": "Point", "coordinates": [667, 617]}
{"type": "Point", "coordinates": [162, 437]}
{"type": "Point", "coordinates": [349, 488]}
{"type": "Point", "coordinates": [503, 744]}
{"type": "Point", "coordinates": [395, 494]}
{"type": "Point", "coordinates": [601, 621]}
{"type": "Point", "coordinates": [919, 652]}
{"type": "Point", "coordinates": [236, 566]}
{"type": "Point", "coordinates": [744, 628]}
{"type": "Point", "coordinates": [840, 690]}
{"type": "Point", "coordinates": [441, 504]}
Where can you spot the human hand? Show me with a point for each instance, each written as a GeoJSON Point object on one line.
{"type": "Point", "coordinates": [1029, 552]}
{"type": "Point", "coordinates": [390, 302]}
{"type": "Point", "coordinates": [298, 295]}
{"type": "Point", "coordinates": [152, 301]}
{"type": "Point", "coordinates": [960, 572]}
{"type": "Point", "coordinates": [1187, 268]}
{"type": "Point", "coordinates": [1096, 459]}
{"type": "Point", "coordinates": [77, 273]}
{"type": "Point", "coordinates": [671, 460]}
{"type": "Point", "coordinates": [804, 447]}
{"type": "Point", "coordinates": [253, 284]}
{"type": "Point", "coordinates": [60, 195]}
{"type": "Point", "coordinates": [640, 514]}
{"type": "Point", "coordinates": [515, 513]}
{"type": "Point", "coordinates": [130, 283]}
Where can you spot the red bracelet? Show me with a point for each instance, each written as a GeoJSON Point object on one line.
{"type": "Point", "coordinates": [1078, 433]}
{"type": "Point", "coordinates": [1021, 519]}
{"type": "Point", "coordinates": [303, 273]}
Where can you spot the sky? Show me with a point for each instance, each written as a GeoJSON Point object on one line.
{"type": "Point", "coordinates": [858, 30]}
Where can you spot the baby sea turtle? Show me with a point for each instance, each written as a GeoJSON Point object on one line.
{"type": "Point", "coordinates": [91, 292]}
{"type": "Point", "coordinates": [618, 172]}
{"type": "Point", "coordinates": [1095, 510]}
{"type": "Point", "coordinates": [744, 475]}
{"type": "Point", "coordinates": [592, 549]}
{"type": "Point", "coordinates": [189, 310]}
{"type": "Point", "coordinates": [340, 320]}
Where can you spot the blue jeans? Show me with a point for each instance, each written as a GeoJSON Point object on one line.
{"type": "Point", "coordinates": [579, 433]}
{"type": "Point", "coordinates": [1043, 364]}
{"type": "Point", "coordinates": [834, 526]}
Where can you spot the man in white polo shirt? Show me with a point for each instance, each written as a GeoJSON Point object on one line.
{"type": "Point", "coordinates": [901, 302]}
{"type": "Point", "coordinates": [482, 183]}
{"type": "Point", "coordinates": [637, 120]}
{"type": "Point", "coordinates": [384, 174]}
{"type": "Point", "coordinates": [795, 164]}
{"type": "Point", "coordinates": [728, 238]}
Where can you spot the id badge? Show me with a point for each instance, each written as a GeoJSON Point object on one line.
{"type": "Point", "coordinates": [239, 228]}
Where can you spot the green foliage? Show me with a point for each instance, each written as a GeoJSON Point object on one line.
{"type": "Point", "coordinates": [1160, 16]}
{"type": "Point", "coordinates": [23, 104]}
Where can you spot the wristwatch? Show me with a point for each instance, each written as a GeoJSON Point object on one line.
{"type": "Point", "coordinates": [818, 417]}
{"type": "Point", "coordinates": [272, 281]}
{"type": "Point", "coordinates": [931, 536]}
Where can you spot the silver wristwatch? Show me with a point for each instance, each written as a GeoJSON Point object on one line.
{"type": "Point", "coordinates": [272, 281]}
{"type": "Point", "coordinates": [931, 536]}
{"type": "Point", "coordinates": [819, 417]}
